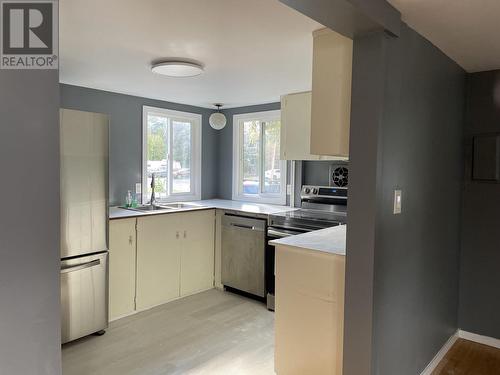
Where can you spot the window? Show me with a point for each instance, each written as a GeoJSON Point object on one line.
{"type": "Point", "coordinates": [258, 173]}
{"type": "Point", "coordinates": [172, 151]}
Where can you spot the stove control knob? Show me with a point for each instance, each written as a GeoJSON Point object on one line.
{"type": "Point", "coordinates": [307, 191]}
{"type": "Point", "coordinates": [315, 191]}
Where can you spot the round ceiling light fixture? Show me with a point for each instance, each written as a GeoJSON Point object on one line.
{"type": "Point", "coordinates": [217, 120]}
{"type": "Point", "coordinates": [177, 68]}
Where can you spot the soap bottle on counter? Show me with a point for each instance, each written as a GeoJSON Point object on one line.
{"type": "Point", "coordinates": [128, 199]}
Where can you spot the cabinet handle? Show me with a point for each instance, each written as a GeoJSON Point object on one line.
{"type": "Point", "coordinates": [130, 240]}
{"type": "Point", "coordinates": [185, 234]}
{"type": "Point", "coordinates": [177, 234]}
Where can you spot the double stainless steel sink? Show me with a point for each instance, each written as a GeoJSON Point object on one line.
{"type": "Point", "coordinates": [162, 207]}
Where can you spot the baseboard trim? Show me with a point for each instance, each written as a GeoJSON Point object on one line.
{"type": "Point", "coordinates": [485, 340]}
{"type": "Point", "coordinates": [440, 354]}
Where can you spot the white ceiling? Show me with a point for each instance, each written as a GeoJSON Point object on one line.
{"type": "Point", "coordinates": [253, 51]}
{"type": "Point", "coordinates": [465, 30]}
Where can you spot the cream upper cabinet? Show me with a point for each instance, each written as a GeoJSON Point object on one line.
{"type": "Point", "coordinates": [331, 93]}
{"type": "Point", "coordinates": [158, 260]}
{"type": "Point", "coordinates": [295, 141]}
{"type": "Point", "coordinates": [197, 251]}
{"type": "Point", "coordinates": [122, 243]}
{"type": "Point", "coordinates": [296, 127]}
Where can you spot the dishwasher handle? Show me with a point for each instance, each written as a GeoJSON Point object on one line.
{"type": "Point", "coordinates": [81, 266]}
{"type": "Point", "coordinates": [244, 223]}
{"type": "Point", "coordinates": [279, 234]}
{"type": "Point", "coordinates": [244, 226]}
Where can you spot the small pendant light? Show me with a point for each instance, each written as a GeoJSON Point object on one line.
{"type": "Point", "coordinates": [217, 120]}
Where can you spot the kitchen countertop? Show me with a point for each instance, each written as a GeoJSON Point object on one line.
{"type": "Point", "coordinates": [254, 208]}
{"type": "Point", "coordinates": [330, 240]}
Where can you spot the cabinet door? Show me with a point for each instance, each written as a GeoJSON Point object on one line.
{"type": "Point", "coordinates": [197, 254]}
{"type": "Point", "coordinates": [122, 253]}
{"type": "Point", "coordinates": [158, 259]}
{"type": "Point", "coordinates": [296, 127]}
{"type": "Point", "coordinates": [331, 93]}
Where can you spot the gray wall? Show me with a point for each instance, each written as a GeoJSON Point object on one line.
{"type": "Point", "coordinates": [125, 113]}
{"type": "Point", "coordinates": [406, 134]}
{"type": "Point", "coordinates": [480, 256]}
{"type": "Point", "coordinates": [417, 252]}
{"type": "Point", "coordinates": [29, 235]}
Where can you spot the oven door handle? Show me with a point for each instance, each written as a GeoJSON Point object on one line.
{"type": "Point", "coordinates": [278, 234]}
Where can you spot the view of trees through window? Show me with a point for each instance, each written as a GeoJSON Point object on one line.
{"type": "Point", "coordinates": [168, 136]}
{"type": "Point", "coordinates": [260, 157]}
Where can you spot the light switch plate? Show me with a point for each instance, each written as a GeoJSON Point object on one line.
{"type": "Point", "coordinates": [288, 189]}
{"type": "Point", "coordinates": [138, 188]}
{"type": "Point", "coordinates": [397, 201]}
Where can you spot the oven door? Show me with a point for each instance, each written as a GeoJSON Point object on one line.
{"type": "Point", "coordinates": [274, 233]}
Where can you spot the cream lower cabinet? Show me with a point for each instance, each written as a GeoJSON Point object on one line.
{"type": "Point", "coordinates": [175, 256]}
{"type": "Point", "coordinates": [197, 251]}
{"type": "Point", "coordinates": [158, 260]}
{"type": "Point", "coordinates": [122, 245]}
{"type": "Point", "coordinates": [309, 318]}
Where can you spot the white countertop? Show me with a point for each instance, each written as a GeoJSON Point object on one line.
{"type": "Point", "coordinates": [330, 240]}
{"type": "Point", "coordinates": [255, 208]}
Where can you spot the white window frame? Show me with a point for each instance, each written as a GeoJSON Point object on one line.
{"type": "Point", "coordinates": [238, 120]}
{"type": "Point", "coordinates": [195, 167]}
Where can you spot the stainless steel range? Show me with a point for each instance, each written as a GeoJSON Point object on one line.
{"type": "Point", "coordinates": [322, 207]}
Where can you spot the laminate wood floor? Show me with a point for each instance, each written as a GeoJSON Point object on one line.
{"type": "Point", "coordinates": [469, 358]}
{"type": "Point", "coordinates": [212, 332]}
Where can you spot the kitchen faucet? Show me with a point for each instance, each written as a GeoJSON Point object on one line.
{"type": "Point", "coordinates": [153, 198]}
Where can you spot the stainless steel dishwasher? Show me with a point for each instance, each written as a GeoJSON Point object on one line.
{"type": "Point", "coordinates": [243, 253]}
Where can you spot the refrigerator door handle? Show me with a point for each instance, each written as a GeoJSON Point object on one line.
{"type": "Point", "coordinates": [81, 266]}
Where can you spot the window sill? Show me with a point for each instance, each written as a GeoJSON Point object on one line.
{"type": "Point", "coordinates": [278, 201]}
{"type": "Point", "coordinates": [175, 199]}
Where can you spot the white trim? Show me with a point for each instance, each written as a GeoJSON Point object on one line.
{"type": "Point", "coordinates": [279, 199]}
{"type": "Point", "coordinates": [485, 340]}
{"type": "Point", "coordinates": [440, 354]}
{"type": "Point", "coordinates": [195, 167]}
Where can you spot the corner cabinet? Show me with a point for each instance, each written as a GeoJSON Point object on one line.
{"type": "Point", "coordinates": [175, 256]}
{"type": "Point", "coordinates": [122, 247]}
{"type": "Point", "coordinates": [155, 259]}
{"type": "Point", "coordinates": [331, 93]}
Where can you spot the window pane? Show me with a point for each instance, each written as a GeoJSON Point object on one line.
{"type": "Point", "coordinates": [251, 145]}
{"type": "Point", "coordinates": [181, 157]}
{"type": "Point", "coordinates": [272, 173]}
{"type": "Point", "coordinates": [157, 155]}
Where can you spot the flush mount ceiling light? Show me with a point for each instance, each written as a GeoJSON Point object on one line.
{"type": "Point", "coordinates": [175, 68]}
{"type": "Point", "coordinates": [217, 120]}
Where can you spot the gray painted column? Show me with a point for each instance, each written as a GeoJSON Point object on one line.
{"type": "Point", "coordinates": [364, 194]}
{"type": "Point", "coordinates": [351, 17]}
{"type": "Point", "coordinates": [29, 224]}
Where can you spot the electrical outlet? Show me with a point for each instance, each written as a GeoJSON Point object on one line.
{"type": "Point", "coordinates": [397, 201]}
{"type": "Point", "coordinates": [138, 188]}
